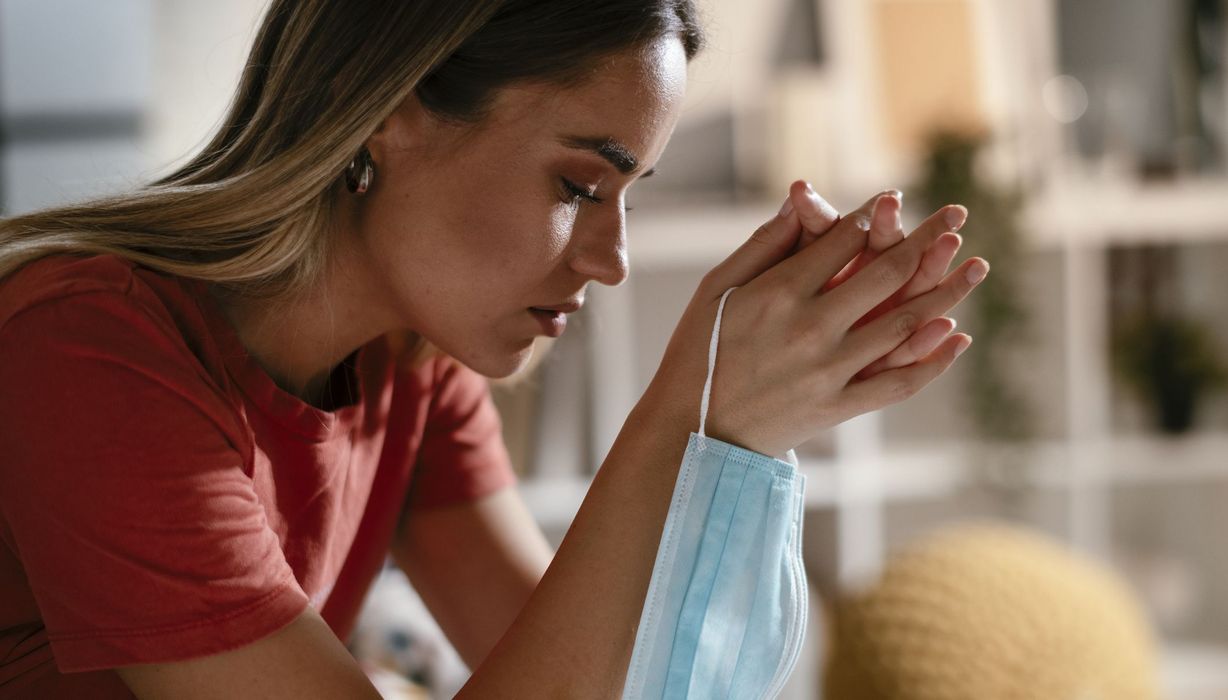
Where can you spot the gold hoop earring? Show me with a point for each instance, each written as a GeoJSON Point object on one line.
{"type": "Point", "coordinates": [360, 172]}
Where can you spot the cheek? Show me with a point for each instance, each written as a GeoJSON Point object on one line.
{"type": "Point", "coordinates": [558, 231]}
{"type": "Point", "coordinates": [486, 252]}
{"type": "Point", "coordinates": [515, 237]}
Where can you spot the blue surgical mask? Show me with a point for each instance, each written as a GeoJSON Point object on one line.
{"type": "Point", "coordinates": [726, 607]}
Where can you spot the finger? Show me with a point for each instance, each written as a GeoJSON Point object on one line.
{"type": "Point", "coordinates": [817, 216]}
{"type": "Point", "coordinates": [922, 343]}
{"type": "Point", "coordinates": [817, 262]}
{"type": "Point", "coordinates": [769, 244]}
{"type": "Point", "coordinates": [822, 222]}
{"type": "Point", "coordinates": [890, 271]}
{"type": "Point", "coordinates": [934, 265]}
{"type": "Point", "coordinates": [879, 337]}
{"type": "Point", "coordinates": [885, 231]}
{"type": "Point", "coordinates": [863, 258]}
{"type": "Point", "coordinates": [898, 384]}
{"type": "Point", "coordinates": [886, 228]}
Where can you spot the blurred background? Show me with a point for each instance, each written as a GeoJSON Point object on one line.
{"type": "Point", "coordinates": [1089, 139]}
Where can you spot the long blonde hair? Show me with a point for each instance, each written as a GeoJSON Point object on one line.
{"type": "Point", "coordinates": [250, 212]}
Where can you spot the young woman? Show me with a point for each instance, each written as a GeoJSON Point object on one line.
{"type": "Point", "coordinates": [229, 394]}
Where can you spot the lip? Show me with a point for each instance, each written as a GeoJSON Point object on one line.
{"type": "Point", "coordinates": [552, 322]}
{"type": "Point", "coordinates": [569, 307]}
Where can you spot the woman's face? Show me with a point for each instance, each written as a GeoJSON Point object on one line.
{"type": "Point", "coordinates": [466, 228]}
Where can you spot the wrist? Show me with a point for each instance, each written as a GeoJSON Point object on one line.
{"type": "Point", "coordinates": [668, 408]}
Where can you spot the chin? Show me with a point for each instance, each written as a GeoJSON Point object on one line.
{"type": "Point", "coordinates": [496, 365]}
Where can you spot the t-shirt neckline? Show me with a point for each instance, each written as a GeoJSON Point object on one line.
{"type": "Point", "coordinates": [288, 410]}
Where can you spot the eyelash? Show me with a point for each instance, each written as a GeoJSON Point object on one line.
{"type": "Point", "coordinates": [578, 193]}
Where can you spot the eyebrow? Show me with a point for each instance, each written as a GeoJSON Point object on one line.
{"type": "Point", "coordinates": [609, 148]}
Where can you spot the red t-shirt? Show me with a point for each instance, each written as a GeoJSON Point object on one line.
{"type": "Point", "coordinates": [162, 499]}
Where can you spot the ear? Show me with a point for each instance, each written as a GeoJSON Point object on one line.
{"type": "Point", "coordinates": [410, 127]}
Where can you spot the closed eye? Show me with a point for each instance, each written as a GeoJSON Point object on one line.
{"type": "Point", "coordinates": [578, 193]}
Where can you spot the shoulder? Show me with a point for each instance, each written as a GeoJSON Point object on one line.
{"type": "Point", "coordinates": [61, 296]}
{"type": "Point", "coordinates": [69, 323]}
{"type": "Point", "coordinates": [63, 276]}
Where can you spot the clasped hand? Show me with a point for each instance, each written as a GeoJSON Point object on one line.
{"type": "Point", "coordinates": [834, 316]}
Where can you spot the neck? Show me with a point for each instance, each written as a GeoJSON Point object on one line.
{"type": "Point", "coordinates": [300, 341]}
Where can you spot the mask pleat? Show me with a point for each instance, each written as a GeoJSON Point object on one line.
{"type": "Point", "coordinates": [726, 605]}
{"type": "Point", "coordinates": [694, 493]}
{"type": "Point", "coordinates": [748, 552]}
{"type": "Point", "coordinates": [761, 645]}
{"type": "Point", "coordinates": [703, 575]}
{"type": "Point", "coordinates": [796, 604]}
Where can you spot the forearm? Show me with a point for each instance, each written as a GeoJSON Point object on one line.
{"type": "Point", "coordinates": [575, 635]}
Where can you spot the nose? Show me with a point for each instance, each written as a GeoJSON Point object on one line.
{"type": "Point", "coordinates": [601, 251]}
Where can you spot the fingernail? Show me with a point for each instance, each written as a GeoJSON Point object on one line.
{"type": "Point", "coordinates": [956, 216]}
{"type": "Point", "coordinates": [787, 207]}
{"type": "Point", "coordinates": [977, 271]}
{"type": "Point", "coordinates": [964, 342]}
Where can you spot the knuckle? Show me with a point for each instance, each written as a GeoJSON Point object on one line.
{"type": "Point", "coordinates": [824, 379]}
{"type": "Point", "coordinates": [901, 389]}
{"type": "Point", "coordinates": [777, 297]}
{"type": "Point", "coordinates": [894, 270]}
{"type": "Point", "coordinates": [827, 331]}
{"type": "Point", "coordinates": [799, 335]}
{"type": "Point", "coordinates": [763, 234]}
{"type": "Point", "coordinates": [905, 324]}
{"type": "Point", "coordinates": [767, 288]}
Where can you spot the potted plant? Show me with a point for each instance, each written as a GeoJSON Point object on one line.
{"type": "Point", "coordinates": [999, 409]}
{"type": "Point", "coordinates": [1172, 363]}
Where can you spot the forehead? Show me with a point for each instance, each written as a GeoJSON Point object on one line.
{"type": "Point", "coordinates": [633, 96]}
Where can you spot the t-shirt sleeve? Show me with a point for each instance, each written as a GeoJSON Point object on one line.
{"type": "Point", "coordinates": [462, 457]}
{"type": "Point", "coordinates": [124, 494]}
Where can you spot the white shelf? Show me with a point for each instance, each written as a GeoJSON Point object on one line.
{"type": "Point", "coordinates": [1110, 461]}
{"type": "Point", "coordinates": [1089, 211]}
{"type": "Point", "coordinates": [921, 472]}
{"type": "Point", "coordinates": [1100, 211]}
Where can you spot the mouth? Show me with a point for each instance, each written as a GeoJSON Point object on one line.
{"type": "Point", "coordinates": [552, 321]}
{"type": "Point", "coordinates": [569, 307]}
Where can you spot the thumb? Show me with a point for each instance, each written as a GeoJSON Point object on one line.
{"type": "Point", "coordinates": [769, 244]}
{"type": "Point", "coordinates": [815, 214]}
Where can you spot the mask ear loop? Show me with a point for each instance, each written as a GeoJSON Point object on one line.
{"type": "Point", "coordinates": [790, 456]}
